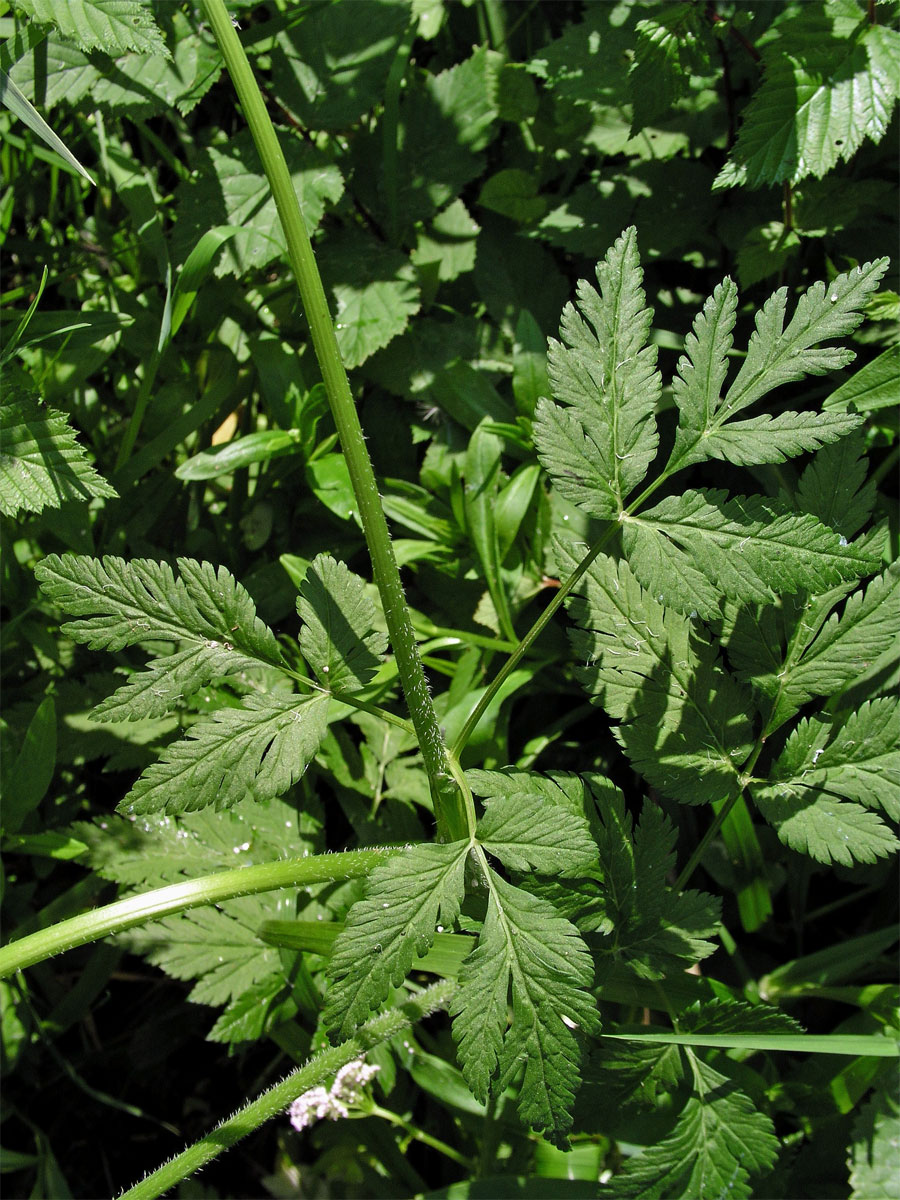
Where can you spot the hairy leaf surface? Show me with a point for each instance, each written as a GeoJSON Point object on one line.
{"type": "Point", "coordinates": [779, 354]}
{"type": "Point", "coordinates": [646, 926]}
{"type": "Point", "coordinates": [823, 659]}
{"type": "Point", "coordinates": [775, 355]}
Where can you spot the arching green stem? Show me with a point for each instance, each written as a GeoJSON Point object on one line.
{"type": "Point", "coordinates": [178, 897]}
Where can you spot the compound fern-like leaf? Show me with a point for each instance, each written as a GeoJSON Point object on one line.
{"type": "Point", "coordinates": [775, 355]}
{"type": "Point", "coordinates": [599, 438]}
{"type": "Point", "coordinates": [827, 772]}
{"type": "Point", "coordinates": [259, 750]}
{"type": "Point", "coordinates": [692, 549]}
{"type": "Point", "coordinates": [338, 638]}
{"type": "Point", "coordinates": [406, 899]}
{"type": "Point", "coordinates": [719, 1141]}
{"type": "Point", "coordinates": [205, 612]}
{"type": "Point", "coordinates": [529, 952]}
{"type": "Point", "coordinates": [684, 722]}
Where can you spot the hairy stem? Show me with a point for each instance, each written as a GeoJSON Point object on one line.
{"type": "Point", "coordinates": [448, 806]}
{"type": "Point", "coordinates": [274, 1101]}
{"type": "Point", "coordinates": [178, 897]}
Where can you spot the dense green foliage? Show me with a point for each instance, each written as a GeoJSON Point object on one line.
{"type": "Point", "coordinates": [612, 284]}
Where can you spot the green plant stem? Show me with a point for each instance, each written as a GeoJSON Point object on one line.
{"type": "Point", "coordinates": [703, 845]}
{"type": "Point", "coordinates": [419, 1135]}
{"type": "Point", "coordinates": [496, 22]}
{"type": "Point", "coordinates": [178, 897]}
{"type": "Point", "coordinates": [324, 1065]}
{"type": "Point", "coordinates": [449, 809]}
{"type": "Point", "coordinates": [151, 367]}
{"type": "Point", "coordinates": [527, 642]}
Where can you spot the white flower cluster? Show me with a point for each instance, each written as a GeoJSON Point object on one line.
{"type": "Point", "coordinates": [320, 1105]}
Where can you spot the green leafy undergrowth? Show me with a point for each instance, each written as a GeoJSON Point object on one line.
{"type": "Point", "coordinates": [701, 627]}
{"type": "Point", "coordinates": [770, 570]}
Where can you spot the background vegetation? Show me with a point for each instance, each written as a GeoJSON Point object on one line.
{"type": "Point", "coordinates": [460, 167]}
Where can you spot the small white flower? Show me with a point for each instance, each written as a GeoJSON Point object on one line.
{"type": "Point", "coordinates": [320, 1105]}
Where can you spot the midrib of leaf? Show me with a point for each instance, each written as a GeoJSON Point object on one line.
{"type": "Point", "coordinates": [616, 394]}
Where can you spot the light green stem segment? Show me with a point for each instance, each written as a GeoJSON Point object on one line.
{"type": "Point", "coordinates": [320, 1068]}
{"type": "Point", "coordinates": [449, 807]}
{"type": "Point", "coordinates": [164, 902]}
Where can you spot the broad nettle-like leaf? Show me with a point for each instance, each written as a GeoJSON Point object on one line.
{"type": "Point", "coordinates": [204, 612]}
{"type": "Point", "coordinates": [599, 438]}
{"type": "Point", "coordinates": [230, 188]}
{"type": "Point", "coordinates": [113, 26]}
{"type": "Point", "coordinates": [826, 89]}
{"type": "Point", "coordinates": [776, 354]}
{"type": "Point", "coordinates": [338, 638]}
{"type": "Point", "coordinates": [42, 464]}
{"type": "Point", "coordinates": [528, 952]}
{"type": "Point", "coordinates": [407, 899]}
{"type": "Point", "coordinates": [375, 293]}
{"type": "Point", "coordinates": [829, 776]}
{"type": "Point", "coordinates": [670, 48]}
{"type": "Point", "coordinates": [684, 721]}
